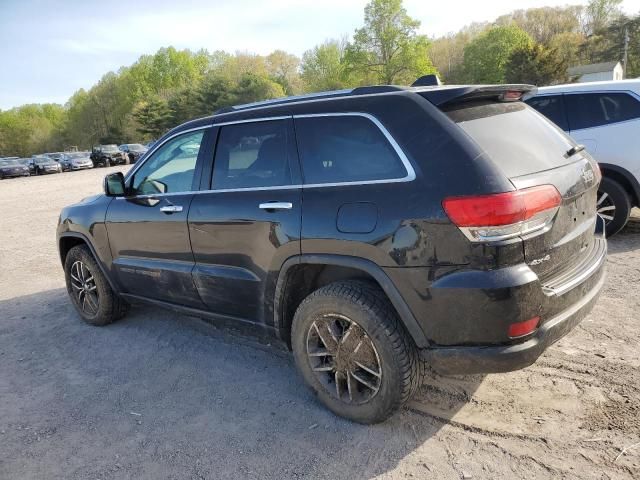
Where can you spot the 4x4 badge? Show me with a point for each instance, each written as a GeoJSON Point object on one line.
{"type": "Point", "coordinates": [538, 261]}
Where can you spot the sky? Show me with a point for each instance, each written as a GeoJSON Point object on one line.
{"type": "Point", "coordinates": [50, 49]}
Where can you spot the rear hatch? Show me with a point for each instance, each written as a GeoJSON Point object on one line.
{"type": "Point", "coordinates": [531, 151]}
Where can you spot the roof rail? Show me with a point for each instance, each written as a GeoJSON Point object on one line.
{"type": "Point", "coordinates": [282, 100]}
{"type": "Point", "coordinates": [311, 96]}
{"type": "Point", "coordinates": [368, 90]}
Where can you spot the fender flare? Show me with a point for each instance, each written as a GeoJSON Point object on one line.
{"type": "Point", "coordinates": [86, 240]}
{"type": "Point", "coordinates": [633, 181]}
{"type": "Point", "coordinates": [367, 266]}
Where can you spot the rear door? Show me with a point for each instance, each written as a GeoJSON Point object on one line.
{"type": "Point", "coordinates": [247, 221]}
{"type": "Point", "coordinates": [532, 151]}
{"type": "Point", "coordinates": [148, 231]}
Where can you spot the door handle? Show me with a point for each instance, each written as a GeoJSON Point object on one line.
{"type": "Point", "coordinates": [171, 208]}
{"type": "Point", "coordinates": [276, 206]}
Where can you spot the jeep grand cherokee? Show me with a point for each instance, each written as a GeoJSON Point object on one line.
{"type": "Point", "coordinates": [374, 230]}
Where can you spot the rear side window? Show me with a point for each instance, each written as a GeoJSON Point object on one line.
{"type": "Point", "coordinates": [552, 107]}
{"type": "Point", "coordinates": [252, 155]}
{"type": "Point", "coordinates": [588, 110]}
{"type": "Point", "coordinates": [345, 148]}
{"type": "Point", "coordinates": [516, 137]}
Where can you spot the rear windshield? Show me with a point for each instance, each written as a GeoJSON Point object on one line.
{"type": "Point", "coordinates": [516, 137]}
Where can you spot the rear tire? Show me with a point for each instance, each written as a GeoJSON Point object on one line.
{"type": "Point", "coordinates": [614, 205]}
{"type": "Point", "coordinates": [89, 290]}
{"type": "Point", "coordinates": [366, 383]}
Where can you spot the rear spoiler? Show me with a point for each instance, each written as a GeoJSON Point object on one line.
{"type": "Point", "coordinates": [453, 94]}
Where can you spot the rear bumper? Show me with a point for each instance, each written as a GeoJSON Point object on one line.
{"type": "Point", "coordinates": [506, 358]}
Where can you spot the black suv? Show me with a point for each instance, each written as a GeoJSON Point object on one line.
{"type": "Point", "coordinates": [375, 231]}
{"type": "Point", "coordinates": [107, 156]}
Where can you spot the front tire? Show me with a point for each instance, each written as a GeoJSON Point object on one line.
{"type": "Point", "coordinates": [614, 205]}
{"type": "Point", "coordinates": [353, 351]}
{"type": "Point", "coordinates": [89, 290]}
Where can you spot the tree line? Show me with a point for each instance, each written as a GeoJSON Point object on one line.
{"type": "Point", "coordinates": [142, 101]}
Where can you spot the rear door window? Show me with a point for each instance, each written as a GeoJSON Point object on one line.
{"type": "Point", "coordinates": [345, 148]}
{"type": "Point", "coordinates": [251, 155]}
{"type": "Point", "coordinates": [552, 107]}
{"type": "Point", "coordinates": [588, 110]}
{"type": "Point", "coordinates": [516, 137]}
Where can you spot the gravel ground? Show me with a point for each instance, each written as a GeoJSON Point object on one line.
{"type": "Point", "coordinates": [159, 395]}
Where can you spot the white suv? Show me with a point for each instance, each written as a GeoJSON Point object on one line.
{"type": "Point", "coordinates": [605, 118]}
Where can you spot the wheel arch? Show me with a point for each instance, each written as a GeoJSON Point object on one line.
{"type": "Point", "coordinates": [68, 240]}
{"type": "Point", "coordinates": [625, 178]}
{"type": "Point", "coordinates": [302, 274]}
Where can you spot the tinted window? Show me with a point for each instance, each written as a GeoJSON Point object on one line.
{"type": "Point", "coordinates": [514, 136]}
{"type": "Point", "coordinates": [552, 107]}
{"type": "Point", "coordinates": [337, 149]}
{"type": "Point", "coordinates": [586, 110]}
{"type": "Point", "coordinates": [170, 169]}
{"type": "Point", "coordinates": [252, 155]}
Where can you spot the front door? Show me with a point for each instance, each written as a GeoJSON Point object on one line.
{"type": "Point", "coordinates": [248, 224]}
{"type": "Point", "coordinates": [147, 229]}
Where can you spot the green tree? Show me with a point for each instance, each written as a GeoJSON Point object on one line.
{"type": "Point", "coordinates": [567, 44]}
{"type": "Point", "coordinates": [253, 88]}
{"type": "Point", "coordinates": [324, 68]}
{"type": "Point", "coordinates": [536, 65]}
{"type": "Point", "coordinates": [153, 116]}
{"type": "Point", "coordinates": [282, 67]}
{"type": "Point", "coordinates": [600, 13]}
{"type": "Point", "coordinates": [486, 56]}
{"type": "Point", "coordinates": [607, 45]}
{"type": "Point", "coordinates": [388, 49]}
{"type": "Point", "coordinates": [215, 92]}
{"type": "Point", "coordinates": [447, 52]}
{"type": "Point", "coordinates": [544, 23]}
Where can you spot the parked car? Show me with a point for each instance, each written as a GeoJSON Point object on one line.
{"type": "Point", "coordinates": [27, 163]}
{"type": "Point", "coordinates": [605, 118]}
{"type": "Point", "coordinates": [76, 161]}
{"type": "Point", "coordinates": [42, 164]}
{"type": "Point", "coordinates": [449, 225]}
{"type": "Point", "coordinates": [134, 150]}
{"type": "Point", "coordinates": [57, 156]}
{"type": "Point", "coordinates": [108, 155]}
{"type": "Point", "coordinates": [12, 168]}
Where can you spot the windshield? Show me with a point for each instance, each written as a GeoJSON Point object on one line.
{"type": "Point", "coordinates": [42, 160]}
{"type": "Point", "coordinates": [9, 163]}
{"type": "Point", "coordinates": [109, 148]}
{"type": "Point", "coordinates": [77, 155]}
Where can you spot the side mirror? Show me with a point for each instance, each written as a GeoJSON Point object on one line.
{"type": "Point", "coordinates": [114, 185]}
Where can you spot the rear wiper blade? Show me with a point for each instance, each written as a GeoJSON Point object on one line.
{"type": "Point", "coordinates": [573, 150]}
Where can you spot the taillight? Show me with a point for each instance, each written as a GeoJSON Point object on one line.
{"type": "Point", "coordinates": [501, 216]}
{"type": "Point", "coordinates": [520, 329]}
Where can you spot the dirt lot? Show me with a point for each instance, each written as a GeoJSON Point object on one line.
{"type": "Point", "coordinates": [158, 395]}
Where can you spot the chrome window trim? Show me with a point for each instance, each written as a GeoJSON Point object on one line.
{"type": "Point", "coordinates": [251, 120]}
{"type": "Point", "coordinates": [409, 177]}
{"type": "Point", "coordinates": [411, 174]}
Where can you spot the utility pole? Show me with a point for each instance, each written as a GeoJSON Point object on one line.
{"type": "Point", "coordinates": [626, 51]}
